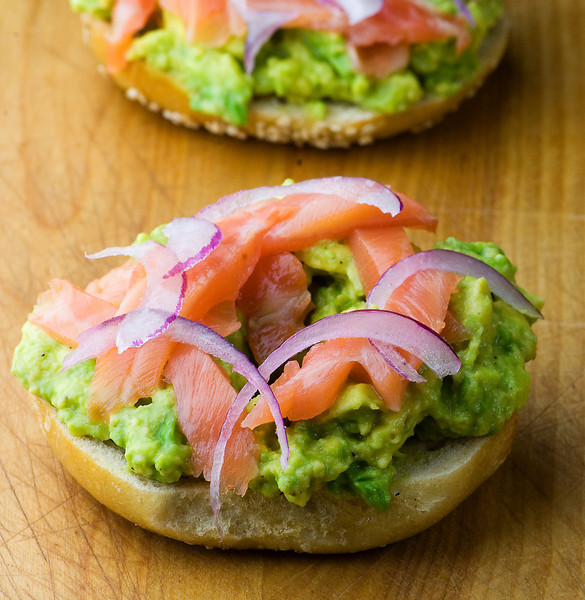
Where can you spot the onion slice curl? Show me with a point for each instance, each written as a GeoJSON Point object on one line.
{"type": "Point", "coordinates": [464, 10]}
{"type": "Point", "coordinates": [190, 240]}
{"type": "Point", "coordinates": [356, 11]}
{"type": "Point", "coordinates": [454, 262]}
{"type": "Point", "coordinates": [261, 25]}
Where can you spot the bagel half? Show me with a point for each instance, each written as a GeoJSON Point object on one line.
{"type": "Point", "coordinates": [341, 490]}
{"type": "Point", "coordinates": [276, 121]}
{"type": "Point", "coordinates": [429, 486]}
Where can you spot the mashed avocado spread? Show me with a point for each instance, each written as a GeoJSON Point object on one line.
{"type": "Point", "coordinates": [301, 66]}
{"type": "Point", "coordinates": [353, 448]}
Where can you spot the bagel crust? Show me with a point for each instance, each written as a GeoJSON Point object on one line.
{"type": "Point", "coordinates": [429, 485]}
{"type": "Point", "coordinates": [276, 121]}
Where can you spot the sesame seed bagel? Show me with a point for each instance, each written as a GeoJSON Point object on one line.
{"type": "Point", "coordinates": [273, 120]}
{"type": "Point", "coordinates": [429, 484]}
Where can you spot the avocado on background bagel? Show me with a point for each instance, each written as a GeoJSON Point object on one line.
{"type": "Point", "coordinates": [277, 120]}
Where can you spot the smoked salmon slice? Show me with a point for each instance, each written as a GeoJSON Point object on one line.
{"type": "Point", "coordinates": [203, 397]}
{"type": "Point", "coordinates": [65, 311]}
{"type": "Point", "coordinates": [424, 296]}
{"type": "Point", "coordinates": [222, 318]}
{"type": "Point", "coordinates": [376, 249]}
{"type": "Point", "coordinates": [409, 21]}
{"type": "Point", "coordinates": [114, 285]}
{"type": "Point", "coordinates": [274, 301]}
{"type": "Point", "coordinates": [220, 277]}
{"type": "Point", "coordinates": [332, 217]}
{"type": "Point", "coordinates": [210, 22]}
{"type": "Point", "coordinates": [128, 18]}
{"type": "Point", "coordinates": [309, 14]}
{"type": "Point", "coordinates": [121, 379]}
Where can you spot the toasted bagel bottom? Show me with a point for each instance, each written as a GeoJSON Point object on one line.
{"type": "Point", "coordinates": [277, 121]}
{"type": "Point", "coordinates": [426, 488]}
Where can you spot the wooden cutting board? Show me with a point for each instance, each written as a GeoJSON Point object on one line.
{"type": "Point", "coordinates": [81, 169]}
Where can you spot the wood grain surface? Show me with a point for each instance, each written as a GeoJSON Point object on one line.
{"type": "Point", "coordinates": [81, 168]}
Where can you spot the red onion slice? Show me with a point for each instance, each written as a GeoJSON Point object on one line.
{"type": "Point", "coordinates": [397, 362]}
{"type": "Point", "coordinates": [379, 325]}
{"type": "Point", "coordinates": [192, 240]}
{"type": "Point", "coordinates": [94, 342]}
{"type": "Point", "coordinates": [261, 25]}
{"type": "Point", "coordinates": [354, 189]}
{"type": "Point", "coordinates": [454, 262]}
{"type": "Point", "coordinates": [464, 10]}
{"type": "Point", "coordinates": [139, 251]}
{"type": "Point", "coordinates": [356, 11]}
{"type": "Point", "coordinates": [97, 340]}
{"type": "Point", "coordinates": [165, 301]}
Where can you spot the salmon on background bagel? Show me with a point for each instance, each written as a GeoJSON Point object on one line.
{"type": "Point", "coordinates": [327, 73]}
{"type": "Point", "coordinates": [282, 370]}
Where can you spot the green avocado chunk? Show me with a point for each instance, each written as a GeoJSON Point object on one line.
{"type": "Point", "coordinates": [149, 431]}
{"type": "Point", "coordinates": [101, 9]}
